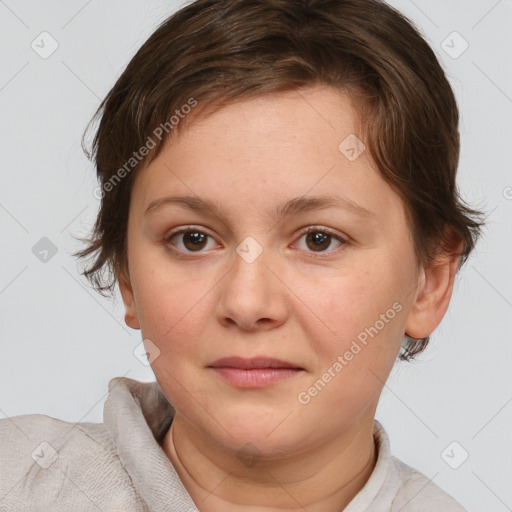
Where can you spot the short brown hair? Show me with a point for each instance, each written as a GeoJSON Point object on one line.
{"type": "Point", "coordinates": [214, 52]}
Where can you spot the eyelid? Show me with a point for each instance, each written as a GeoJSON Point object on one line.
{"type": "Point", "coordinates": [186, 228]}
{"type": "Point", "coordinates": [323, 229]}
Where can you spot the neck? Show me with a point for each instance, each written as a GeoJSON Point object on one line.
{"type": "Point", "coordinates": [324, 478]}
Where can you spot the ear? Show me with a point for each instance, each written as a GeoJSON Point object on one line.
{"type": "Point", "coordinates": [433, 294]}
{"type": "Point", "coordinates": [125, 287]}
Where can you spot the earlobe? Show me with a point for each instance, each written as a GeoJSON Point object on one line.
{"type": "Point", "coordinates": [131, 317]}
{"type": "Point", "coordinates": [433, 296]}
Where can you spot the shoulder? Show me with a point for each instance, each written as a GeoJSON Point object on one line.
{"type": "Point", "coordinates": [417, 493]}
{"type": "Point", "coordinates": [49, 463]}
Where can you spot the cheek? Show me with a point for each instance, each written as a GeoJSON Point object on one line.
{"type": "Point", "coordinates": [174, 311]}
{"type": "Point", "coordinates": [362, 318]}
{"type": "Point", "coordinates": [173, 308]}
{"type": "Point", "coordinates": [344, 307]}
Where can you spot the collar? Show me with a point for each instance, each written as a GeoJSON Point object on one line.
{"type": "Point", "coordinates": [138, 415]}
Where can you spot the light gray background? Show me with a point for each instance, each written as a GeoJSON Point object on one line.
{"type": "Point", "coordinates": [61, 342]}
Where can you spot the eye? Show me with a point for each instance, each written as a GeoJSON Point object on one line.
{"type": "Point", "coordinates": [319, 240]}
{"type": "Point", "coordinates": [190, 240]}
{"type": "Point", "coordinates": [314, 239]}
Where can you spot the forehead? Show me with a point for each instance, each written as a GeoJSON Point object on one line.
{"type": "Point", "coordinates": [264, 151]}
{"type": "Point", "coordinates": [287, 117]}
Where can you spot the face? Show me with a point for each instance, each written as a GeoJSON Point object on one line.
{"type": "Point", "coordinates": [273, 272]}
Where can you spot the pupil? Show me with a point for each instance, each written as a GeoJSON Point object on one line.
{"type": "Point", "coordinates": [319, 240]}
{"type": "Point", "coordinates": [196, 240]}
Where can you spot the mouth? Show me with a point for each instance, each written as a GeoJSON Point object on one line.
{"type": "Point", "coordinates": [257, 372]}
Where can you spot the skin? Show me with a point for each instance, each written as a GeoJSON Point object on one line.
{"type": "Point", "coordinates": [293, 302]}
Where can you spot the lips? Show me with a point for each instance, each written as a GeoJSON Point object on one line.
{"type": "Point", "coordinates": [258, 372]}
{"type": "Point", "coordinates": [253, 363]}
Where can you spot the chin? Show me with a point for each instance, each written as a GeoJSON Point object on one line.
{"type": "Point", "coordinates": [260, 432]}
{"type": "Point", "coordinates": [257, 445]}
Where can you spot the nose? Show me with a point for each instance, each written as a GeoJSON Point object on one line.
{"type": "Point", "coordinates": [252, 297]}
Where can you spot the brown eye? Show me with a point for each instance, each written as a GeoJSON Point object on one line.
{"type": "Point", "coordinates": [316, 240]}
{"type": "Point", "coordinates": [194, 240]}
{"type": "Point", "coordinates": [189, 241]}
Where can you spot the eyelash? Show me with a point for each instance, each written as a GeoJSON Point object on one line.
{"type": "Point", "coordinates": [306, 231]}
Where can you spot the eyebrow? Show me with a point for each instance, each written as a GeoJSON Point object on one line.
{"type": "Point", "coordinates": [291, 207]}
